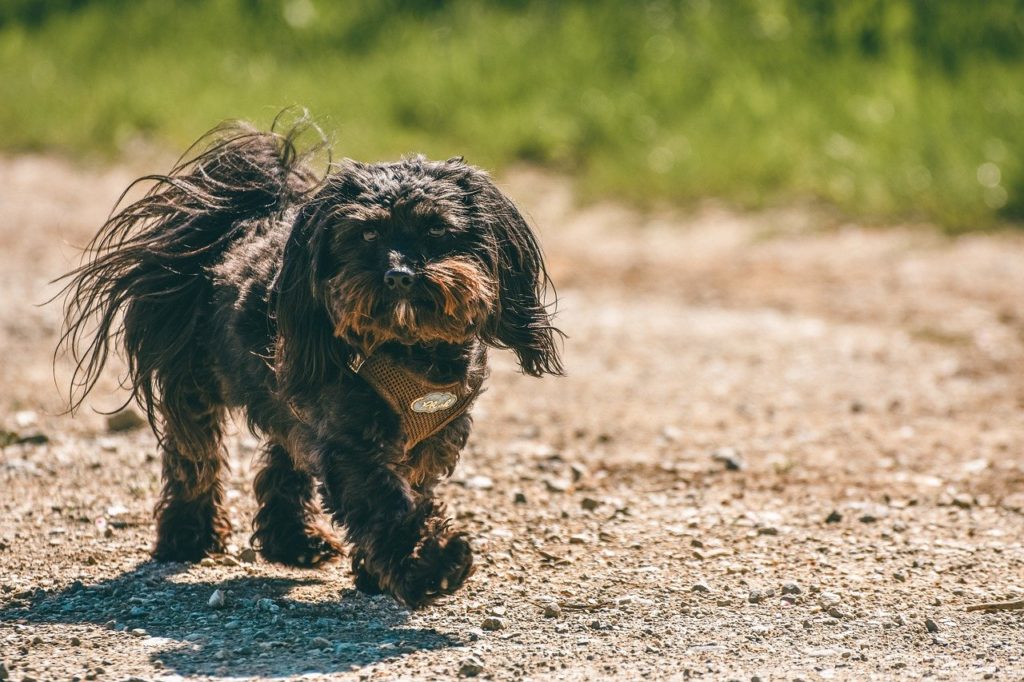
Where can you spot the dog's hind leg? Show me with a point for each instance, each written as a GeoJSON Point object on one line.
{"type": "Point", "coordinates": [190, 517]}
{"type": "Point", "coordinates": [286, 527]}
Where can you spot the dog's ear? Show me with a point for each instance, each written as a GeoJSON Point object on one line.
{"type": "Point", "coordinates": [306, 350]}
{"type": "Point", "coordinates": [522, 321]}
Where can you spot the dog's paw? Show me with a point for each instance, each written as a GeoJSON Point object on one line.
{"type": "Point", "coordinates": [365, 582]}
{"type": "Point", "coordinates": [303, 546]}
{"type": "Point", "coordinates": [185, 549]}
{"type": "Point", "coordinates": [187, 536]}
{"type": "Point", "coordinates": [439, 567]}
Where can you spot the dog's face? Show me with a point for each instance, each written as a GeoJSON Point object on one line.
{"type": "Point", "coordinates": [404, 259]}
{"type": "Point", "coordinates": [413, 252]}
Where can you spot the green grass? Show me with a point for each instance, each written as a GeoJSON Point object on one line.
{"type": "Point", "coordinates": [887, 109]}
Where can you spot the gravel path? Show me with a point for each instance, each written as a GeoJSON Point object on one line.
{"type": "Point", "coordinates": [783, 451]}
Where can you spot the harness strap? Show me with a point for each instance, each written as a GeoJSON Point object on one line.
{"type": "Point", "coordinates": [424, 407]}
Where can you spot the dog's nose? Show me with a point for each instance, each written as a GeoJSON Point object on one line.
{"type": "Point", "coordinates": [399, 279]}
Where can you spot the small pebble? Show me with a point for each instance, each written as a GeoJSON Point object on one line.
{"type": "Point", "coordinates": [589, 504]}
{"type": "Point", "coordinates": [672, 434]}
{"type": "Point", "coordinates": [125, 420]}
{"type": "Point", "coordinates": [247, 555]}
{"type": "Point", "coordinates": [964, 501]}
{"type": "Point", "coordinates": [552, 611]}
{"type": "Point", "coordinates": [729, 457]}
{"type": "Point", "coordinates": [217, 599]}
{"type": "Point", "coordinates": [834, 517]}
{"type": "Point", "coordinates": [930, 625]}
{"type": "Point", "coordinates": [25, 418]}
{"type": "Point", "coordinates": [557, 485]}
{"type": "Point", "coordinates": [791, 588]}
{"type": "Point", "coordinates": [828, 599]}
{"type": "Point", "coordinates": [321, 643]}
{"type": "Point", "coordinates": [479, 483]}
{"type": "Point", "coordinates": [493, 623]}
{"type": "Point", "coordinates": [471, 667]}
{"type": "Point", "coordinates": [579, 472]}
{"type": "Point", "coordinates": [700, 587]}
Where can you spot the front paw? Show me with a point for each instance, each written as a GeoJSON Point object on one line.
{"type": "Point", "coordinates": [365, 582]}
{"type": "Point", "coordinates": [437, 568]}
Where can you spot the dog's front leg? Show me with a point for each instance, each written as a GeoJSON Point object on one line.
{"type": "Point", "coordinates": [286, 528]}
{"type": "Point", "coordinates": [403, 544]}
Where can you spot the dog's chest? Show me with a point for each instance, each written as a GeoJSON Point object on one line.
{"type": "Point", "coordinates": [423, 406]}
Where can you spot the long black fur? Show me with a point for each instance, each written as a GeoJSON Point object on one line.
{"type": "Point", "coordinates": [244, 279]}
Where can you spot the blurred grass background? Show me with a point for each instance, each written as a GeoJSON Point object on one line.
{"type": "Point", "coordinates": [886, 109]}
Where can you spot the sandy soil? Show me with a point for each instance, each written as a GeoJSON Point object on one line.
{"type": "Point", "coordinates": [783, 451]}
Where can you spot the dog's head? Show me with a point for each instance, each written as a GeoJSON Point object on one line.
{"type": "Point", "coordinates": [411, 252]}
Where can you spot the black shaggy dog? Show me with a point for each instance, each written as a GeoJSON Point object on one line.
{"type": "Point", "coordinates": [348, 315]}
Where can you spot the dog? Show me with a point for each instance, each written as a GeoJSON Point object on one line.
{"type": "Point", "coordinates": [348, 313]}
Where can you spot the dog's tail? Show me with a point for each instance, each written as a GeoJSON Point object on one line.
{"type": "Point", "coordinates": [143, 285]}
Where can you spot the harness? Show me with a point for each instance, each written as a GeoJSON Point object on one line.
{"type": "Point", "coordinates": [424, 407]}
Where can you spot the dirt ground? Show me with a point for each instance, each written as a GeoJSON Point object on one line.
{"type": "Point", "coordinates": [783, 451]}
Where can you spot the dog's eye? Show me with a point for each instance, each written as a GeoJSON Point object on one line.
{"type": "Point", "coordinates": [370, 235]}
{"type": "Point", "coordinates": [437, 231]}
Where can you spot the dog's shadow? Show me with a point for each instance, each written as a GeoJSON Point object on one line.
{"type": "Point", "coordinates": [260, 631]}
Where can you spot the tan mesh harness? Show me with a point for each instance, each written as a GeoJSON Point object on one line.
{"type": "Point", "coordinates": [424, 407]}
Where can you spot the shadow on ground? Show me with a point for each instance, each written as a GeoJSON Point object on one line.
{"type": "Point", "coordinates": [263, 629]}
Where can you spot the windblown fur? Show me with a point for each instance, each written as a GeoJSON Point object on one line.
{"type": "Point", "coordinates": [243, 279]}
